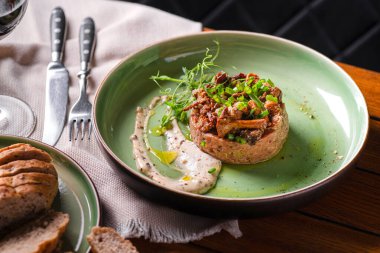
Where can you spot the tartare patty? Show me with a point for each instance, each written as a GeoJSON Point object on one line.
{"type": "Point", "coordinates": [239, 119]}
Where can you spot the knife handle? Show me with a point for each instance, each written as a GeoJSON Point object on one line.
{"type": "Point", "coordinates": [57, 33]}
{"type": "Point", "coordinates": [86, 42]}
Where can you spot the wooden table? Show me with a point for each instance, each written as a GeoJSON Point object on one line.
{"type": "Point", "coordinates": [347, 219]}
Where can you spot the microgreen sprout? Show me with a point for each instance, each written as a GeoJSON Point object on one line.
{"type": "Point", "coordinates": [181, 96]}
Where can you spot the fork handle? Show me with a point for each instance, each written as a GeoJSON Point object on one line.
{"type": "Point", "coordinates": [57, 33]}
{"type": "Point", "coordinates": [86, 43]}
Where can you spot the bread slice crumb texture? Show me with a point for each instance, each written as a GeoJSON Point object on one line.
{"type": "Point", "coordinates": [38, 236]}
{"type": "Point", "coordinates": [107, 240]}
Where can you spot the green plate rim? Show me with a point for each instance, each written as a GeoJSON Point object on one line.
{"type": "Point", "coordinates": [71, 160]}
{"type": "Point", "coordinates": [300, 191]}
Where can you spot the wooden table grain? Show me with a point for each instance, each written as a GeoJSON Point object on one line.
{"type": "Point", "coordinates": [347, 219]}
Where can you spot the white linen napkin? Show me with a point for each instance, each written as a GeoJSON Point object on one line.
{"type": "Point", "coordinates": [122, 28]}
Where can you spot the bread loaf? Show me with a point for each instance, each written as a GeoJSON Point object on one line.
{"type": "Point", "coordinates": [28, 183]}
{"type": "Point", "coordinates": [22, 151]}
{"type": "Point", "coordinates": [22, 166]}
{"type": "Point", "coordinates": [107, 240]}
{"type": "Point", "coordinates": [38, 236]}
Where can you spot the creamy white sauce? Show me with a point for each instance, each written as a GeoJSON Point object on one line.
{"type": "Point", "coordinates": [191, 161]}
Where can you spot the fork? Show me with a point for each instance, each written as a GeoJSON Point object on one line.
{"type": "Point", "coordinates": [80, 113]}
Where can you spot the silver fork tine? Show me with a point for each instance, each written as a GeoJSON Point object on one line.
{"type": "Point", "coordinates": [83, 124]}
{"type": "Point", "coordinates": [71, 126]}
{"type": "Point", "coordinates": [77, 128]}
{"type": "Point", "coordinates": [89, 129]}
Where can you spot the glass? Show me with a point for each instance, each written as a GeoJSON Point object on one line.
{"type": "Point", "coordinates": [16, 117]}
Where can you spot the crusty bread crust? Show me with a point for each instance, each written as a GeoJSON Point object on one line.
{"type": "Point", "coordinates": [23, 166]}
{"type": "Point", "coordinates": [30, 178]}
{"type": "Point", "coordinates": [23, 202]}
{"type": "Point", "coordinates": [20, 200]}
{"type": "Point", "coordinates": [107, 240]}
{"type": "Point", "coordinates": [40, 235]}
{"type": "Point", "coordinates": [22, 151]}
{"type": "Point", "coordinates": [235, 153]}
{"type": "Point", "coordinates": [24, 192]}
{"type": "Point", "coordinates": [17, 145]}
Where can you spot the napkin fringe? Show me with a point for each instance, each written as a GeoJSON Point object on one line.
{"type": "Point", "coordinates": [137, 228]}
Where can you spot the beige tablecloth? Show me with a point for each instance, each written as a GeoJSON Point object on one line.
{"type": "Point", "coordinates": [122, 28]}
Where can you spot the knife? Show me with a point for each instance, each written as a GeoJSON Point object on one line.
{"type": "Point", "coordinates": [57, 81]}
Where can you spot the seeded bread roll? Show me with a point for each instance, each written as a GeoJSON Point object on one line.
{"type": "Point", "coordinates": [22, 151]}
{"type": "Point", "coordinates": [28, 183]}
{"type": "Point", "coordinates": [40, 235]}
{"type": "Point", "coordinates": [22, 166]}
{"type": "Point", "coordinates": [107, 240]}
{"type": "Point", "coordinates": [17, 145]}
{"type": "Point", "coordinates": [30, 178]}
{"type": "Point", "coordinates": [23, 202]}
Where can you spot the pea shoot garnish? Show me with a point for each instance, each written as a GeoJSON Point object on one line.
{"type": "Point", "coordinates": [181, 96]}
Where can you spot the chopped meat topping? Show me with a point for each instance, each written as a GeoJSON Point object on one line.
{"type": "Point", "coordinates": [237, 107]}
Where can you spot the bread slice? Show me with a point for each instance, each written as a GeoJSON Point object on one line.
{"type": "Point", "coordinates": [107, 240]}
{"type": "Point", "coordinates": [30, 178]}
{"type": "Point", "coordinates": [37, 236]}
{"type": "Point", "coordinates": [24, 195]}
{"type": "Point", "coordinates": [22, 152]}
{"type": "Point", "coordinates": [22, 166]}
{"type": "Point", "coordinates": [12, 146]}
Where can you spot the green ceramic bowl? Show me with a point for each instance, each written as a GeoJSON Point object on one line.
{"type": "Point", "coordinates": [327, 114]}
{"type": "Point", "coordinates": [77, 195]}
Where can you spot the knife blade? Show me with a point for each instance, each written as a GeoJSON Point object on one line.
{"type": "Point", "coordinates": [57, 81]}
